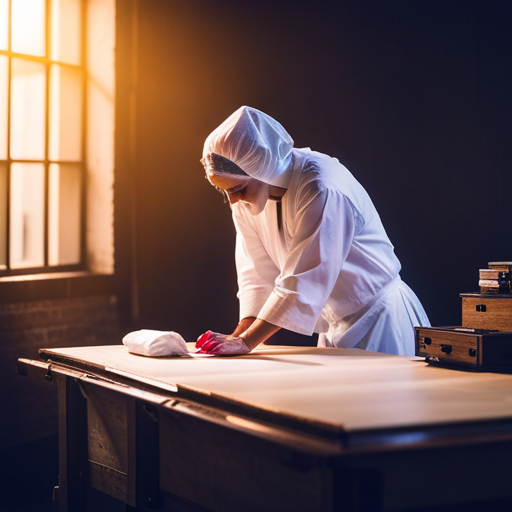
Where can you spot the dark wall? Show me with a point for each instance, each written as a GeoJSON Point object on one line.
{"type": "Point", "coordinates": [30, 406]}
{"type": "Point", "coordinates": [28, 431]}
{"type": "Point", "coordinates": [412, 96]}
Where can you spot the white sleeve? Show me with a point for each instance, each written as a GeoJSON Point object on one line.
{"type": "Point", "coordinates": [255, 269]}
{"type": "Point", "coordinates": [325, 222]}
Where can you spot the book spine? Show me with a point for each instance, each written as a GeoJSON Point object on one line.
{"type": "Point", "coordinates": [500, 267]}
{"type": "Point", "coordinates": [488, 273]}
{"type": "Point", "coordinates": [494, 286]}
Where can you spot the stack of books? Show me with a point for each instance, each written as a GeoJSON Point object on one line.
{"type": "Point", "coordinates": [497, 278]}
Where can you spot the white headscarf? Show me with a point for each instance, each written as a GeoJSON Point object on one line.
{"type": "Point", "coordinates": [258, 144]}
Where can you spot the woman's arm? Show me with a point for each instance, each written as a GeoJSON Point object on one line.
{"type": "Point", "coordinates": [256, 331]}
{"type": "Point", "coordinates": [243, 325]}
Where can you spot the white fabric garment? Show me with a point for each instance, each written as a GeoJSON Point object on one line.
{"type": "Point", "coordinates": [152, 343]}
{"type": "Point", "coordinates": [257, 143]}
{"type": "Point", "coordinates": [331, 269]}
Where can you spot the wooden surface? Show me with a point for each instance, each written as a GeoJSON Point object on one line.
{"type": "Point", "coordinates": [459, 342]}
{"type": "Point", "coordinates": [461, 346]}
{"type": "Point", "coordinates": [497, 314]}
{"type": "Point", "coordinates": [348, 389]}
{"type": "Point", "coordinates": [282, 429]}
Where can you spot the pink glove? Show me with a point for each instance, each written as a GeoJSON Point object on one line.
{"type": "Point", "coordinates": [221, 344]}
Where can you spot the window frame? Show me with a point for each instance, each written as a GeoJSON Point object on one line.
{"type": "Point", "coordinates": [46, 269]}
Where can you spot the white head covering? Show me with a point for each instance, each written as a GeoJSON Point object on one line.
{"type": "Point", "coordinates": [258, 144]}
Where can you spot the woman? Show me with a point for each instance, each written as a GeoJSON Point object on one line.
{"type": "Point", "coordinates": [311, 252]}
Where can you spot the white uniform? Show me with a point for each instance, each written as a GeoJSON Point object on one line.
{"type": "Point", "coordinates": [331, 269]}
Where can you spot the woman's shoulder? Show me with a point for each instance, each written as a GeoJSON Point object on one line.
{"type": "Point", "coordinates": [323, 178]}
{"type": "Point", "coordinates": [320, 172]}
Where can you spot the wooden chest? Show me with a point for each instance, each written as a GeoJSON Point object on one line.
{"type": "Point", "coordinates": [464, 347]}
{"type": "Point", "coordinates": [487, 311]}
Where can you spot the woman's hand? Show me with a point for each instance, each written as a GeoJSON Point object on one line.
{"type": "Point", "coordinates": [221, 344]}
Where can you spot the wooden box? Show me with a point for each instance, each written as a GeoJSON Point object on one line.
{"type": "Point", "coordinates": [487, 311]}
{"type": "Point", "coordinates": [462, 346]}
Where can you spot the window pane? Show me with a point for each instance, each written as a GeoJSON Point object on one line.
{"type": "Point", "coordinates": [28, 26]}
{"type": "Point", "coordinates": [27, 215]}
{"type": "Point", "coordinates": [66, 30]}
{"type": "Point", "coordinates": [65, 113]}
{"type": "Point", "coordinates": [28, 86]}
{"type": "Point", "coordinates": [4, 77]}
{"type": "Point", "coordinates": [4, 24]}
{"type": "Point", "coordinates": [3, 215]}
{"type": "Point", "coordinates": [64, 214]}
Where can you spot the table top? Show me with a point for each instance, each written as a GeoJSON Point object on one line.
{"type": "Point", "coordinates": [346, 389]}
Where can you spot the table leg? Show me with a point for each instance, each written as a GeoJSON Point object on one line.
{"type": "Point", "coordinates": [72, 446]}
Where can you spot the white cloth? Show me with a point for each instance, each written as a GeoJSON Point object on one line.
{"type": "Point", "coordinates": [257, 143]}
{"type": "Point", "coordinates": [331, 269]}
{"type": "Point", "coordinates": [148, 342]}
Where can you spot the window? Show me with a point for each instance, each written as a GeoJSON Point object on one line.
{"type": "Point", "coordinates": [56, 92]}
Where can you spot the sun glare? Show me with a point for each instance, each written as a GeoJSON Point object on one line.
{"type": "Point", "coordinates": [28, 27]}
{"type": "Point", "coordinates": [4, 24]}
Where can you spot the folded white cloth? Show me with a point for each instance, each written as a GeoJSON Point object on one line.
{"type": "Point", "coordinates": [148, 342]}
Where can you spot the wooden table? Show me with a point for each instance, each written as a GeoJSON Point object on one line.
{"type": "Point", "coordinates": [285, 429]}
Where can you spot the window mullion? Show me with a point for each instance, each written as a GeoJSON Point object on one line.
{"type": "Point", "coordinates": [47, 132]}
{"type": "Point", "coordinates": [8, 205]}
{"type": "Point", "coordinates": [9, 29]}
{"type": "Point", "coordinates": [83, 65]}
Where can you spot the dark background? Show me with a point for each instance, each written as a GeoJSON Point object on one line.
{"type": "Point", "coordinates": [412, 96]}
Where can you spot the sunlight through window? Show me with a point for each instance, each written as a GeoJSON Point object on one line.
{"type": "Point", "coordinates": [41, 134]}
{"type": "Point", "coordinates": [56, 208]}
{"type": "Point", "coordinates": [27, 215]}
{"type": "Point", "coordinates": [64, 214]}
{"type": "Point", "coordinates": [4, 24]}
{"type": "Point", "coordinates": [4, 73]}
{"type": "Point", "coordinates": [65, 114]}
{"type": "Point", "coordinates": [28, 110]}
{"type": "Point", "coordinates": [67, 31]}
{"type": "Point", "coordinates": [28, 27]}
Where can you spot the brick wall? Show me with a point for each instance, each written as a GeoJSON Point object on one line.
{"type": "Point", "coordinates": [29, 408]}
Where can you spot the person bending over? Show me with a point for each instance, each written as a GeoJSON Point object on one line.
{"type": "Point", "coordinates": [312, 255]}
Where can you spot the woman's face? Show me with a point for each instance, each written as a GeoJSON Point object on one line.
{"type": "Point", "coordinates": [252, 193]}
